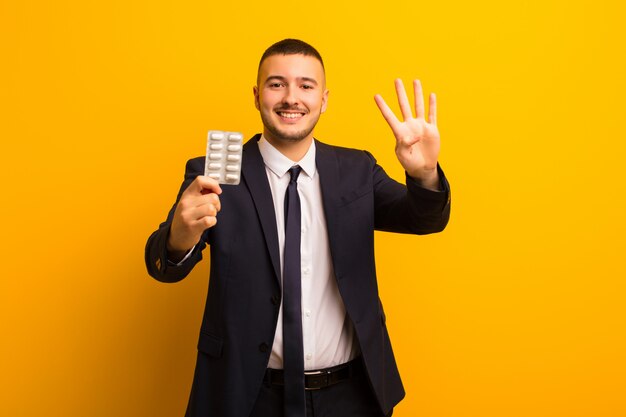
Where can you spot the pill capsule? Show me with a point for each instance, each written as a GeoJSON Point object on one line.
{"type": "Point", "coordinates": [232, 167]}
{"type": "Point", "coordinates": [215, 165]}
{"type": "Point", "coordinates": [234, 137]}
{"type": "Point", "coordinates": [233, 158]}
{"type": "Point", "coordinates": [217, 135]}
{"type": "Point", "coordinates": [234, 148]}
{"type": "Point", "coordinates": [216, 146]}
{"type": "Point", "coordinates": [232, 177]}
{"type": "Point", "coordinates": [215, 175]}
{"type": "Point", "coordinates": [215, 156]}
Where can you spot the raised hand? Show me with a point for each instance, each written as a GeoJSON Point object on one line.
{"type": "Point", "coordinates": [417, 140]}
{"type": "Point", "coordinates": [196, 211]}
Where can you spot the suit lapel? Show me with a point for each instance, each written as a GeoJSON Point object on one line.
{"type": "Point", "coordinates": [255, 178]}
{"type": "Point", "coordinates": [328, 168]}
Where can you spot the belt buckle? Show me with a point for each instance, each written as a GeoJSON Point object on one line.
{"type": "Point", "coordinates": [323, 372]}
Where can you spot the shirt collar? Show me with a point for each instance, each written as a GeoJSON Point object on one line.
{"type": "Point", "coordinates": [279, 164]}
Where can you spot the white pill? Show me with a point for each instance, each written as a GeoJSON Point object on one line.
{"type": "Point", "coordinates": [215, 165]}
{"type": "Point", "coordinates": [232, 167]}
{"type": "Point", "coordinates": [215, 156]}
{"type": "Point", "coordinates": [217, 146]}
{"type": "Point", "coordinates": [235, 137]}
{"type": "Point", "coordinates": [215, 176]}
{"type": "Point", "coordinates": [233, 158]}
{"type": "Point", "coordinates": [234, 148]}
{"type": "Point", "coordinates": [232, 177]}
{"type": "Point", "coordinates": [217, 135]}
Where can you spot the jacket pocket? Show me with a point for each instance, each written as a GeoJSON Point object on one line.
{"type": "Point", "coordinates": [209, 344]}
{"type": "Point", "coordinates": [355, 195]}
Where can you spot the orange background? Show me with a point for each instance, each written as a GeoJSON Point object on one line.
{"type": "Point", "coordinates": [517, 309]}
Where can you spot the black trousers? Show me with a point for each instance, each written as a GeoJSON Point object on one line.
{"type": "Point", "coordinates": [350, 398]}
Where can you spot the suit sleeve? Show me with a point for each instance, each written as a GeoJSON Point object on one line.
{"type": "Point", "coordinates": [409, 208]}
{"type": "Point", "coordinates": [157, 263]}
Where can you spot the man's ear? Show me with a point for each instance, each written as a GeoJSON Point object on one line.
{"type": "Point", "coordinates": [325, 100]}
{"type": "Point", "coordinates": [255, 90]}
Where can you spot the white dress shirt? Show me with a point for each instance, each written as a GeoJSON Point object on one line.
{"type": "Point", "coordinates": [328, 334]}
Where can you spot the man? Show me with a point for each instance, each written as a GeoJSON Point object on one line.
{"type": "Point", "coordinates": [293, 323]}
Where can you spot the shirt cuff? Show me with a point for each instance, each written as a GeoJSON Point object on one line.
{"type": "Point", "coordinates": [182, 261]}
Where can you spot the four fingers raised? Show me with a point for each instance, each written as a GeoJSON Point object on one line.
{"type": "Point", "coordinates": [405, 107]}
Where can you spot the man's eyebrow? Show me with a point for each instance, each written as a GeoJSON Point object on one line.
{"type": "Point", "coordinates": [275, 78]}
{"type": "Point", "coordinates": [283, 79]}
{"type": "Point", "coordinates": [311, 80]}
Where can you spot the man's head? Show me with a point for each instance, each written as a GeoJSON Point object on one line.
{"type": "Point", "coordinates": [291, 91]}
{"type": "Point", "coordinates": [289, 47]}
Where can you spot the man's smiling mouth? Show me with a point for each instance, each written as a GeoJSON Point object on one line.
{"type": "Point", "coordinates": [289, 115]}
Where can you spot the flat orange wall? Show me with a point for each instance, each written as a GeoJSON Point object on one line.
{"type": "Point", "coordinates": [516, 310]}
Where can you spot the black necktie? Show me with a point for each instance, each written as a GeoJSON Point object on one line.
{"type": "Point", "coordinates": [293, 351]}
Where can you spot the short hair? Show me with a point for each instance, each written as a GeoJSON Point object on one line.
{"type": "Point", "coordinates": [291, 47]}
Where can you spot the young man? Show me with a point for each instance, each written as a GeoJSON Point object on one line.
{"type": "Point", "coordinates": [293, 323]}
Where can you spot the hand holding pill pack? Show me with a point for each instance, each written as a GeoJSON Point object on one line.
{"type": "Point", "coordinates": [223, 156]}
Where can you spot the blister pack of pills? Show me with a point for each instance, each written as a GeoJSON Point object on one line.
{"type": "Point", "coordinates": [223, 156]}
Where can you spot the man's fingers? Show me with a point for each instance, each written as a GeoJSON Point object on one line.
{"type": "Point", "coordinates": [195, 216]}
{"type": "Point", "coordinates": [432, 109]}
{"type": "Point", "coordinates": [211, 200]}
{"type": "Point", "coordinates": [204, 185]}
{"type": "Point", "coordinates": [195, 205]}
{"type": "Point", "coordinates": [391, 118]}
{"type": "Point", "coordinates": [403, 100]}
{"type": "Point", "coordinates": [196, 211]}
{"type": "Point", "coordinates": [419, 98]}
{"type": "Point", "coordinates": [207, 210]}
{"type": "Point", "coordinates": [206, 222]}
{"type": "Point", "coordinates": [200, 225]}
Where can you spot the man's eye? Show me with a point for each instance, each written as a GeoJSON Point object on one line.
{"type": "Point", "coordinates": [307, 87]}
{"type": "Point", "coordinates": [276, 85]}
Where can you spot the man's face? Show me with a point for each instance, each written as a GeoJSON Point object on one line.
{"type": "Point", "coordinates": [291, 95]}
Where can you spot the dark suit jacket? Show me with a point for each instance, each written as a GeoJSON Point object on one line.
{"type": "Point", "coordinates": [244, 288]}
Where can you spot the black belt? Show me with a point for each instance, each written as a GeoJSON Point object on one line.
{"type": "Point", "coordinates": [320, 378]}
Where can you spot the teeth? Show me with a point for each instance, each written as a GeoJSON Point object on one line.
{"type": "Point", "coordinates": [290, 115]}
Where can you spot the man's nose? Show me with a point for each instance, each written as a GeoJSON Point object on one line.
{"type": "Point", "coordinates": [290, 97]}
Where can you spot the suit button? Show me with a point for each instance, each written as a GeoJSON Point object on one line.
{"type": "Point", "coordinates": [263, 347]}
{"type": "Point", "coordinates": [275, 299]}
